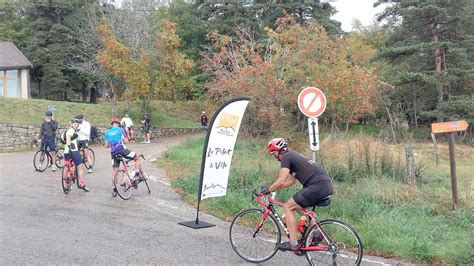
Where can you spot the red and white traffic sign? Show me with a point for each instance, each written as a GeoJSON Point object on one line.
{"type": "Point", "coordinates": [312, 102]}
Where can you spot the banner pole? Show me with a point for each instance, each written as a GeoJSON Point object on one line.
{"type": "Point", "coordinates": [196, 224]}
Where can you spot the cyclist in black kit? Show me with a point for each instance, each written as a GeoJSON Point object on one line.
{"type": "Point", "coordinates": [294, 166]}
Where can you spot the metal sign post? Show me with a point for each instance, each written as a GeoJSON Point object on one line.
{"type": "Point", "coordinates": [313, 135]}
{"type": "Point", "coordinates": [312, 103]}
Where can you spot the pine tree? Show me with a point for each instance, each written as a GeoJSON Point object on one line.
{"type": "Point", "coordinates": [431, 48]}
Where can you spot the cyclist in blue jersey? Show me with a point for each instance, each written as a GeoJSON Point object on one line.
{"type": "Point", "coordinates": [115, 138]}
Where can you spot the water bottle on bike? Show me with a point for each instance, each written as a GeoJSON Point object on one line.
{"type": "Point", "coordinates": [302, 224]}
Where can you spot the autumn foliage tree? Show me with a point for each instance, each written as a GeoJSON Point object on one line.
{"type": "Point", "coordinates": [297, 56]}
{"type": "Point", "coordinates": [117, 60]}
{"type": "Point", "coordinates": [172, 67]}
{"type": "Point", "coordinates": [162, 73]}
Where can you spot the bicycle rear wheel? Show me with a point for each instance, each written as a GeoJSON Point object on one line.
{"type": "Point", "coordinates": [60, 158]}
{"type": "Point", "coordinates": [87, 164]}
{"type": "Point", "coordinates": [252, 242]}
{"type": "Point", "coordinates": [66, 179]}
{"type": "Point", "coordinates": [342, 242]}
{"type": "Point", "coordinates": [41, 160]}
{"type": "Point", "coordinates": [123, 184]}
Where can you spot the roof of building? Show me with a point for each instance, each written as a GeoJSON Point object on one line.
{"type": "Point", "coordinates": [12, 58]}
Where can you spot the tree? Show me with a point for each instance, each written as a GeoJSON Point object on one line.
{"type": "Point", "coordinates": [120, 62]}
{"type": "Point", "coordinates": [13, 26]}
{"type": "Point", "coordinates": [172, 79]}
{"type": "Point", "coordinates": [48, 43]}
{"type": "Point", "coordinates": [431, 48]}
{"type": "Point", "coordinates": [297, 56]}
{"type": "Point", "coordinates": [257, 15]}
{"type": "Point", "coordinates": [163, 74]}
{"type": "Point", "coordinates": [85, 74]}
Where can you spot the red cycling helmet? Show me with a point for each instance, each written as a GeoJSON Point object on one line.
{"type": "Point", "coordinates": [115, 120]}
{"type": "Point", "coordinates": [277, 144]}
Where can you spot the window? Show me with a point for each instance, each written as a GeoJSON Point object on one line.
{"type": "Point", "coordinates": [10, 83]}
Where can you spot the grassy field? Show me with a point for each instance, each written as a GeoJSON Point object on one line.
{"type": "Point", "coordinates": [413, 223]}
{"type": "Point", "coordinates": [163, 114]}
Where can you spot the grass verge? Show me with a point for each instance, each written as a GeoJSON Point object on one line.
{"type": "Point", "coordinates": [163, 114]}
{"type": "Point", "coordinates": [393, 219]}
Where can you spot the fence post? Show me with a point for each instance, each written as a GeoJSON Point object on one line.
{"type": "Point", "coordinates": [410, 164]}
{"type": "Point", "coordinates": [433, 137]}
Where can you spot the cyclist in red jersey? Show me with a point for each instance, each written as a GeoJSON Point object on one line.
{"type": "Point", "coordinates": [295, 167]}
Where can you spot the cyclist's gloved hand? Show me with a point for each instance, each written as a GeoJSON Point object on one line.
{"type": "Point", "coordinates": [264, 190]}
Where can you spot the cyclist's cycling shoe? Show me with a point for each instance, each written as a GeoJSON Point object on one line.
{"type": "Point", "coordinates": [286, 246]}
{"type": "Point", "coordinates": [114, 192]}
{"type": "Point", "coordinates": [86, 189]}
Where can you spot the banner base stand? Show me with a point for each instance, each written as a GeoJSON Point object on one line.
{"type": "Point", "coordinates": [196, 224]}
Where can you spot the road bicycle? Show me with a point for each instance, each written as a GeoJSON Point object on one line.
{"type": "Point", "coordinates": [42, 159]}
{"type": "Point", "coordinates": [141, 135]}
{"type": "Point", "coordinates": [87, 164]}
{"type": "Point", "coordinates": [255, 234]}
{"type": "Point", "coordinates": [69, 176]}
{"type": "Point", "coordinates": [124, 182]}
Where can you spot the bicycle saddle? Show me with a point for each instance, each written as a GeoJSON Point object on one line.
{"type": "Point", "coordinates": [324, 202]}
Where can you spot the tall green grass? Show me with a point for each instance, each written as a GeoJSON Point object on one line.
{"type": "Point", "coordinates": [414, 223]}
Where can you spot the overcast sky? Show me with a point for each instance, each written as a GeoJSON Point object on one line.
{"type": "Point", "coordinates": [348, 10]}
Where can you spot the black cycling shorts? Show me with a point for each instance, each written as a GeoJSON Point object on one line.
{"type": "Point", "coordinates": [308, 196]}
{"type": "Point", "coordinates": [81, 144]}
{"type": "Point", "coordinates": [147, 129]}
{"type": "Point", "coordinates": [129, 155]}
{"type": "Point", "coordinates": [75, 156]}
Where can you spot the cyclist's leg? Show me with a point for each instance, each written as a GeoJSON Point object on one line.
{"type": "Point", "coordinates": [76, 157]}
{"type": "Point", "coordinates": [290, 208]}
{"type": "Point", "coordinates": [131, 133]}
{"type": "Point", "coordinates": [115, 167]}
{"type": "Point", "coordinates": [52, 151]}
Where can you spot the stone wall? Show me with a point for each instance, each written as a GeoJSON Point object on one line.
{"type": "Point", "coordinates": [14, 137]}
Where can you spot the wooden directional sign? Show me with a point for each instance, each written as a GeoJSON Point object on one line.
{"type": "Point", "coordinates": [313, 133]}
{"type": "Point", "coordinates": [312, 102]}
{"type": "Point", "coordinates": [447, 127]}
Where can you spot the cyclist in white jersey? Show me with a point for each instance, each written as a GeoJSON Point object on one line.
{"type": "Point", "coordinates": [83, 138]}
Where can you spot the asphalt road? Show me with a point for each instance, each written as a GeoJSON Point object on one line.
{"type": "Point", "coordinates": [39, 224]}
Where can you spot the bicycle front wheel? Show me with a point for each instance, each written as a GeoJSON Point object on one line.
{"type": "Point", "coordinates": [123, 184]}
{"type": "Point", "coordinates": [41, 160]}
{"type": "Point", "coordinates": [87, 164]}
{"type": "Point", "coordinates": [60, 158]}
{"type": "Point", "coordinates": [338, 244]}
{"type": "Point", "coordinates": [252, 242]}
{"type": "Point", "coordinates": [66, 179]}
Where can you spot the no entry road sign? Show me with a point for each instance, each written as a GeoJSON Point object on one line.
{"type": "Point", "coordinates": [312, 102]}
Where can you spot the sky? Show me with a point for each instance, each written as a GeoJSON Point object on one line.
{"type": "Point", "coordinates": [348, 10]}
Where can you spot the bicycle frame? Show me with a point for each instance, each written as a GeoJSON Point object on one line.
{"type": "Point", "coordinates": [270, 209]}
{"type": "Point", "coordinates": [72, 168]}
